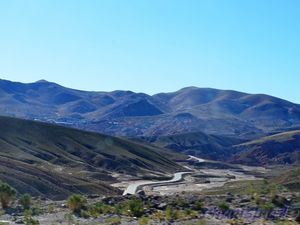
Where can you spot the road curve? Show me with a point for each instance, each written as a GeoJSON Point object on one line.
{"type": "Point", "coordinates": [133, 187]}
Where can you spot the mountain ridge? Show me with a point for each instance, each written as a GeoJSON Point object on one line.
{"type": "Point", "coordinates": [126, 113]}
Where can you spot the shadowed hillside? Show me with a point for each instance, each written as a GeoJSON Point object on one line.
{"type": "Point", "coordinates": [282, 148]}
{"type": "Point", "coordinates": [51, 160]}
{"type": "Point", "coordinates": [197, 144]}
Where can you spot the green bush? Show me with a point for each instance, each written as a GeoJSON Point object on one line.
{"type": "Point", "coordinates": [198, 205]}
{"type": "Point", "coordinates": [144, 221]}
{"type": "Point", "coordinates": [28, 218]}
{"type": "Point", "coordinates": [69, 218]}
{"type": "Point", "coordinates": [85, 214]}
{"type": "Point", "coordinates": [7, 194]}
{"type": "Point", "coordinates": [223, 206]}
{"type": "Point", "coordinates": [136, 207]}
{"type": "Point", "coordinates": [31, 221]}
{"type": "Point", "coordinates": [76, 203]}
{"type": "Point", "coordinates": [25, 201]}
{"type": "Point", "coordinates": [171, 214]}
{"type": "Point", "coordinates": [268, 206]}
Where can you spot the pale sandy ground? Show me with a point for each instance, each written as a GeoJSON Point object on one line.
{"type": "Point", "coordinates": [192, 184]}
{"type": "Point", "coordinates": [189, 184]}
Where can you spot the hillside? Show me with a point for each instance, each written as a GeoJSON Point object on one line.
{"type": "Point", "coordinates": [45, 159]}
{"type": "Point", "coordinates": [125, 113]}
{"type": "Point", "coordinates": [282, 148]}
{"type": "Point", "coordinates": [197, 144]}
{"type": "Point", "coordinates": [289, 177]}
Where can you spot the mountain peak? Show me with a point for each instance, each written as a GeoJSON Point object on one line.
{"type": "Point", "coordinates": [42, 81]}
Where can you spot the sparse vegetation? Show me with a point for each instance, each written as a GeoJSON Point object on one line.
{"type": "Point", "coordinates": [25, 201]}
{"type": "Point", "coordinates": [223, 206]}
{"type": "Point", "coordinates": [136, 207]}
{"type": "Point", "coordinates": [7, 194]}
{"type": "Point", "coordinates": [76, 203]}
{"type": "Point", "coordinates": [144, 221]}
{"type": "Point", "coordinates": [113, 221]}
{"type": "Point", "coordinates": [171, 214]}
{"type": "Point", "coordinates": [28, 219]}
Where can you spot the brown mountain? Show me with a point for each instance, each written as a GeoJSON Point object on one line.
{"type": "Point", "coordinates": [125, 113]}
{"type": "Point", "coordinates": [282, 148]}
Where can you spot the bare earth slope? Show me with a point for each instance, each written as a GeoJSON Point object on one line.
{"type": "Point", "coordinates": [198, 144]}
{"type": "Point", "coordinates": [45, 159]}
{"type": "Point", "coordinates": [282, 148]}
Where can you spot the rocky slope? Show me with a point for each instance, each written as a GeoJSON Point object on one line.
{"type": "Point", "coordinates": [45, 159]}
{"type": "Point", "coordinates": [197, 144]}
{"type": "Point", "coordinates": [282, 148]}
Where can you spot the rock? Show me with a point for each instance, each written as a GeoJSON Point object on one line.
{"type": "Point", "coordinates": [19, 221]}
{"type": "Point", "coordinates": [63, 205]}
{"type": "Point", "coordinates": [141, 193]}
{"type": "Point", "coordinates": [279, 201]}
{"type": "Point", "coordinates": [162, 206]}
{"type": "Point", "coordinates": [229, 199]}
{"type": "Point", "coordinates": [245, 200]}
{"type": "Point", "coordinates": [93, 196]}
{"type": "Point", "coordinates": [297, 219]}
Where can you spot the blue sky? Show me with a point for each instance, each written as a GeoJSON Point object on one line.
{"type": "Point", "coordinates": [154, 45]}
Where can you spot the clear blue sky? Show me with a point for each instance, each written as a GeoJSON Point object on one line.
{"type": "Point", "coordinates": [154, 45]}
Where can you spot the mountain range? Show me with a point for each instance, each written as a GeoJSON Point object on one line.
{"type": "Point", "coordinates": [125, 113]}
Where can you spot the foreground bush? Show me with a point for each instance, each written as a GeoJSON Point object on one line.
{"type": "Point", "coordinates": [136, 207]}
{"type": "Point", "coordinates": [7, 194]}
{"type": "Point", "coordinates": [25, 201]}
{"type": "Point", "coordinates": [76, 203]}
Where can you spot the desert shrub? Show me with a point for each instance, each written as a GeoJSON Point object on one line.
{"type": "Point", "coordinates": [201, 222]}
{"type": "Point", "coordinates": [158, 216]}
{"type": "Point", "coordinates": [25, 201]}
{"type": "Point", "coordinates": [113, 221]}
{"type": "Point", "coordinates": [85, 214]}
{"type": "Point", "coordinates": [99, 208]}
{"type": "Point", "coordinates": [181, 203]}
{"type": "Point", "coordinates": [95, 210]}
{"type": "Point", "coordinates": [171, 214]}
{"type": "Point", "coordinates": [223, 206]}
{"type": "Point", "coordinates": [76, 203]}
{"type": "Point", "coordinates": [144, 221]}
{"type": "Point", "coordinates": [136, 207]}
{"type": "Point", "coordinates": [35, 210]}
{"type": "Point", "coordinates": [51, 208]}
{"type": "Point", "coordinates": [69, 218]}
{"type": "Point", "coordinates": [198, 205]}
{"type": "Point", "coordinates": [28, 218]}
{"type": "Point", "coordinates": [31, 221]}
{"type": "Point", "coordinates": [198, 222]}
{"type": "Point", "coordinates": [7, 194]}
{"type": "Point", "coordinates": [286, 222]}
{"type": "Point", "coordinates": [188, 212]}
{"type": "Point", "coordinates": [267, 208]}
{"type": "Point", "coordinates": [235, 222]}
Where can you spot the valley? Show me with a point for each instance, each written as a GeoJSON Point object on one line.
{"type": "Point", "coordinates": [195, 156]}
